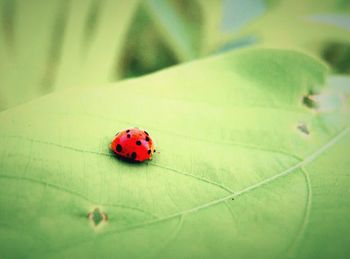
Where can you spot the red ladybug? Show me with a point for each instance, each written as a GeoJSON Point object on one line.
{"type": "Point", "coordinates": [133, 145]}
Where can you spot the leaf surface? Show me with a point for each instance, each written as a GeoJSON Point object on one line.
{"type": "Point", "coordinates": [243, 167]}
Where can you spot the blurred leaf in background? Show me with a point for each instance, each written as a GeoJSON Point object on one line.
{"type": "Point", "coordinates": [144, 51]}
{"type": "Point", "coordinates": [309, 26]}
{"type": "Point", "coordinates": [56, 44]}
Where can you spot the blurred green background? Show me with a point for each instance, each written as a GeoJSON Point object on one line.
{"type": "Point", "coordinates": [48, 45]}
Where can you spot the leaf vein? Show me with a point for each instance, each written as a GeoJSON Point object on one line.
{"type": "Point", "coordinates": [172, 238]}
{"type": "Point", "coordinates": [77, 194]}
{"type": "Point", "coordinates": [202, 179]}
{"type": "Point", "coordinates": [231, 143]}
{"type": "Point", "coordinates": [306, 215]}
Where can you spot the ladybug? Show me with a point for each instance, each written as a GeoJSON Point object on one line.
{"type": "Point", "coordinates": [134, 145]}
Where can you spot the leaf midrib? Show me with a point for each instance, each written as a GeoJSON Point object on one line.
{"type": "Point", "coordinates": [291, 169]}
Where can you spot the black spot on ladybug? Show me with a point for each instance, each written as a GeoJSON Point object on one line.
{"type": "Point", "coordinates": [127, 131]}
{"type": "Point", "coordinates": [138, 143]}
{"type": "Point", "coordinates": [133, 155]}
{"type": "Point", "coordinates": [154, 151]}
{"type": "Point", "coordinates": [146, 133]}
{"type": "Point", "coordinates": [149, 151]}
{"type": "Point", "coordinates": [147, 138]}
{"type": "Point", "coordinates": [119, 148]}
{"type": "Point", "coordinates": [128, 135]}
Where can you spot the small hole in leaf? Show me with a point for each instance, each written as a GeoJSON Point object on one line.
{"type": "Point", "coordinates": [303, 128]}
{"type": "Point", "coordinates": [97, 216]}
{"type": "Point", "coordinates": [309, 100]}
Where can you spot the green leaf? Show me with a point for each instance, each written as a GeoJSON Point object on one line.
{"type": "Point", "coordinates": [145, 51]}
{"type": "Point", "coordinates": [287, 24]}
{"type": "Point", "coordinates": [181, 35]}
{"type": "Point", "coordinates": [243, 169]}
{"type": "Point", "coordinates": [57, 44]}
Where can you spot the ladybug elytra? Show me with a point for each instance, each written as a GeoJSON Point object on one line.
{"type": "Point", "coordinates": [133, 144]}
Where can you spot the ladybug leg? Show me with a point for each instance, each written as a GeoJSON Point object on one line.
{"type": "Point", "coordinates": [110, 146]}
